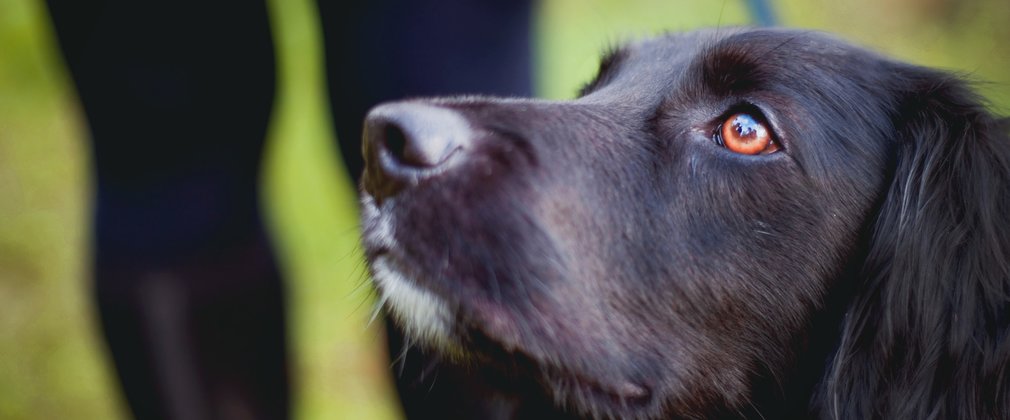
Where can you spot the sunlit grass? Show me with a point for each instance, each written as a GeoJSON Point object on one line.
{"type": "Point", "coordinates": [340, 364]}
{"type": "Point", "coordinates": [51, 363]}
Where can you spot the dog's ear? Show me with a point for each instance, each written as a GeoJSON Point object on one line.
{"type": "Point", "coordinates": [928, 332]}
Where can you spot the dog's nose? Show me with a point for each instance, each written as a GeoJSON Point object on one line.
{"type": "Point", "coordinates": [407, 142]}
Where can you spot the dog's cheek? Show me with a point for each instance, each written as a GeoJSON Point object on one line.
{"type": "Point", "coordinates": [729, 279]}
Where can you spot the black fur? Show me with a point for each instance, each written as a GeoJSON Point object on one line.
{"type": "Point", "coordinates": [604, 257]}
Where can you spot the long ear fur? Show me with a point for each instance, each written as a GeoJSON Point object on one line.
{"type": "Point", "coordinates": [928, 333]}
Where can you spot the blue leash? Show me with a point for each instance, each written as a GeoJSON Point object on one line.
{"type": "Point", "coordinates": [762, 13]}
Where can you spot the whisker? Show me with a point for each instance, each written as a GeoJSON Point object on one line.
{"type": "Point", "coordinates": [400, 362]}
{"type": "Point", "coordinates": [381, 303]}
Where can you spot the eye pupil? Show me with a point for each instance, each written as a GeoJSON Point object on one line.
{"type": "Point", "coordinates": [744, 134]}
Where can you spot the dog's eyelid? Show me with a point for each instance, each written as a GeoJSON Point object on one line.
{"type": "Point", "coordinates": [774, 123]}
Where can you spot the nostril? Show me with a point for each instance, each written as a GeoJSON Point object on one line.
{"type": "Point", "coordinates": [418, 147]}
{"type": "Point", "coordinates": [399, 147]}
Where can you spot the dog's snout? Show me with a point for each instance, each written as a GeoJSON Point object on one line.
{"type": "Point", "coordinates": [408, 142]}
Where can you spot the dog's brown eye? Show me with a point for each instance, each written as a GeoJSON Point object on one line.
{"type": "Point", "coordinates": [744, 134]}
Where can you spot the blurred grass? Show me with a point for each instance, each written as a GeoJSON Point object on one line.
{"type": "Point", "coordinates": [341, 367]}
{"type": "Point", "coordinates": [573, 33]}
{"type": "Point", "coordinates": [966, 36]}
{"type": "Point", "coordinates": [52, 364]}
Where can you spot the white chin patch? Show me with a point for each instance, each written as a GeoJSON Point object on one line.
{"type": "Point", "coordinates": [424, 316]}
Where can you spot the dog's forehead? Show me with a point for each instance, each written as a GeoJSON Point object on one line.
{"type": "Point", "coordinates": [640, 72]}
{"type": "Point", "coordinates": [657, 63]}
{"type": "Point", "coordinates": [673, 45]}
{"type": "Point", "coordinates": [662, 58]}
{"type": "Point", "coordinates": [645, 70]}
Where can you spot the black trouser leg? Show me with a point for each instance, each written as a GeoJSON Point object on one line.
{"type": "Point", "coordinates": [177, 95]}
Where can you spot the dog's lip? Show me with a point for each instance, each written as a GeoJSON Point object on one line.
{"type": "Point", "coordinates": [489, 317]}
{"type": "Point", "coordinates": [371, 255]}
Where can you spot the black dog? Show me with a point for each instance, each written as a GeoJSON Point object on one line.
{"type": "Point", "coordinates": [728, 223]}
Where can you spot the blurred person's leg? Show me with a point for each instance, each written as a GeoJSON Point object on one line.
{"type": "Point", "coordinates": [389, 49]}
{"type": "Point", "coordinates": [178, 96]}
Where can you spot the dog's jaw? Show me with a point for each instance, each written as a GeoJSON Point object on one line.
{"type": "Point", "coordinates": [422, 314]}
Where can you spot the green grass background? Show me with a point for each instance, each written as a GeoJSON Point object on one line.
{"type": "Point", "coordinates": [52, 364]}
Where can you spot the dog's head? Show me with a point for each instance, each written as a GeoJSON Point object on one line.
{"type": "Point", "coordinates": [723, 222]}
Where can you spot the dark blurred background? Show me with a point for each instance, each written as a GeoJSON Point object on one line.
{"type": "Point", "coordinates": [53, 363]}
